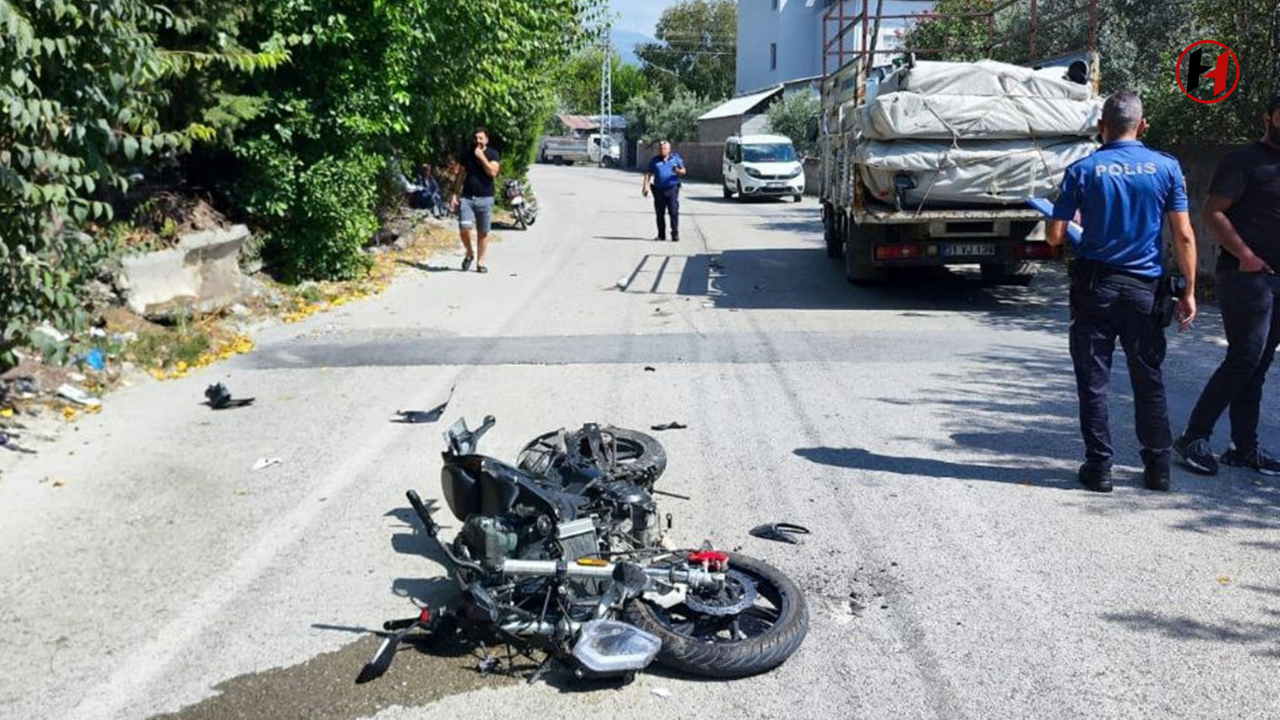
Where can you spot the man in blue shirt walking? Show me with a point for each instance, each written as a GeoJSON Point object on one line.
{"type": "Point", "coordinates": [663, 176]}
{"type": "Point", "coordinates": [1123, 193]}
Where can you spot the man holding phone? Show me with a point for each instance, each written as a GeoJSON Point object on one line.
{"type": "Point", "coordinates": [663, 177]}
{"type": "Point", "coordinates": [473, 198]}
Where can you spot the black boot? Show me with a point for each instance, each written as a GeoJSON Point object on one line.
{"type": "Point", "coordinates": [1095, 477]}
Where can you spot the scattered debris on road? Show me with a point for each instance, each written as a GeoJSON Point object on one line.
{"type": "Point", "coordinates": [650, 368]}
{"type": "Point", "coordinates": [220, 398]}
{"type": "Point", "coordinates": [661, 692]}
{"type": "Point", "coordinates": [669, 426]}
{"type": "Point", "coordinates": [414, 417]}
{"type": "Point", "coordinates": [78, 396]}
{"type": "Point", "coordinates": [265, 463]}
{"type": "Point", "coordinates": [780, 532]}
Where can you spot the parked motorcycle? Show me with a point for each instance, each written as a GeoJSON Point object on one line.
{"type": "Point", "coordinates": [567, 554]}
{"type": "Point", "coordinates": [525, 209]}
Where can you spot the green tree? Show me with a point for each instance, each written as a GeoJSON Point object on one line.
{"type": "Point", "coordinates": [579, 83]}
{"type": "Point", "coordinates": [793, 116]}
{"type": "Point", "coordinates": [652, 118]}
{"type": "Point", "coordinates": [951, 30]}
{"type": "Point", "coordinates": [696, 49]}
{"type": "Point", "coordinates": [85, 90]}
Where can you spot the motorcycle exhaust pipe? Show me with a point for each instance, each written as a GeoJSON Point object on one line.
{"type": "Point", "coordinates": [693, 576]}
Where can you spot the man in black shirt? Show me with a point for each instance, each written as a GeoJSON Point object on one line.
{"type": "Point", "coordinates": [473, 197]}
{"type": "Point", "coordinates": [1243, 213]}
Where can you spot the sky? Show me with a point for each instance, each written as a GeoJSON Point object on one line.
{"type": "Point", "coordinates": [638, 16]}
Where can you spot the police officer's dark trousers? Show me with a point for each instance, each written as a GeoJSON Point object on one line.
{"type": "Point", "coordinates": [1123, 308]}
{"type": "Point", "coordinates": [667, 202]}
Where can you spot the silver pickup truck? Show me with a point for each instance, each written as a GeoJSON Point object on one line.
{"type": "Point", "coordinates": [594, 149]}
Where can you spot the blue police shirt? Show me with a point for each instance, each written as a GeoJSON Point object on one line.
{"type": "Point", "coordinates": [1122, 192]}
{"type": "Point", "coordinates": [664, 171]}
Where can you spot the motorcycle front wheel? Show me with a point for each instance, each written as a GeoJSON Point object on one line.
{"type": "Point", "coordinates": [750, 641]}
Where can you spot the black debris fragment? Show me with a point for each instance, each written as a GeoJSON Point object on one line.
{"type": "Point", "coordinates": [780, 532]}
{"type": "Point", "coordinates": [669, 426]}
{"type": "Point", "coordinates": [414, 417]}
{"type": "Point", "coordinates": [219, 398]}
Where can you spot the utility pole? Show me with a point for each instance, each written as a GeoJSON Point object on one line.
{"type": "Point", "coordinates": [606, 100]}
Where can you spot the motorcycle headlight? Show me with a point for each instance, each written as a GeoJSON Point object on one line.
{"type": "Point", "coordinates": [753, 172]}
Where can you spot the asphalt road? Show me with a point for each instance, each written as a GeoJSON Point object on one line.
{"type": "Point", "coordinates": [925, 433]}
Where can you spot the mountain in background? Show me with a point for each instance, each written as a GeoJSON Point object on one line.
{"type": "Point", "coordinates": [626, 41]}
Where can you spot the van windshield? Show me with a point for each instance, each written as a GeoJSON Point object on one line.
{"type": "Point", "coordinates": [774, 152]}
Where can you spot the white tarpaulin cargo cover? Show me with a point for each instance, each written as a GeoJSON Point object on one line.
{"type": "Point", "coordinates": [1002, 172]}
{"type": "Point", "coordinates": [985, 77]}
{"type": "Point", "coordinates": [945, 116]}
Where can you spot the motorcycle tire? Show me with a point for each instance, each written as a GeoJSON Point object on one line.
{"type": "Point", "coordinates": [724, 658]}
{"type": "Point", "coordinates": [642, 459]}
{"type": "Point", "coordinates": [520, 220]}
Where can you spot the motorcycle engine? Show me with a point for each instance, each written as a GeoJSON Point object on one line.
{"type": "Point", "coordinates": [635, 515]}
{"type": "Point", "coordinates": [490, 540]}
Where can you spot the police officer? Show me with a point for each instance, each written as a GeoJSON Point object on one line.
{"type": "Point", "coordinates": [1122, 193]}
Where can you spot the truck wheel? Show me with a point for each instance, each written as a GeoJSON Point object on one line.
{"type": "Point", "coordinates": [799, 198]}
{"type": "Point", "coordinates": [557, 160]}
{"type": "Point", "coordinates": [742, 197]}
{"type": "Point", "coordinates": [859, 243]}
{"type": "Point", "coordinates": [1019, 273]}
{"type": "Point", "coordinates": [830, 236]}
{"type": "Point", "coordinates": [727, 192]}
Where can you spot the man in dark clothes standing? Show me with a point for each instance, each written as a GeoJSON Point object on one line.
{"type": "Point", "coordinates": [473, 198]}
{"type": "Point", "coordinates": [1124, 192]}
{"type": "Point", "coordinates": [1242, 211]}
{"type": "Point", "coordinates": [663, 176]}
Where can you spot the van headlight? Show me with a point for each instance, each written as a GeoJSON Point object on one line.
{"type": "Point", "coordinates": [752, 172]}
{"type": "Point", "coordinates": [797, 172]}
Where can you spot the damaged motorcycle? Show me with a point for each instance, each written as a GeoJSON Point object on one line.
{"type": "Point", "coordinates": [566, 554]}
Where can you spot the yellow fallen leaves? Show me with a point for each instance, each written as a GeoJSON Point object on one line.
{"type": "Point", "coordinates": [237, 345]}
{"type": "Point", "coordinates": [59, 483]}
{"type": "Point", "coordinates": [69, 414]}
{"type": "Point", "coordinates": [6, 412]}
{"type": "Point", "coordinates": [1224, 580]}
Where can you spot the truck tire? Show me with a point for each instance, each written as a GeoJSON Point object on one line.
{"type": "Point", "coordinates": [557, 160]}
{"type": "Point", "coordinates": [858, 248]}
{"type": "Point", "coordinates": [1019, 273]}
{"type": "Point", "coordinates": [831, 236]}
{"type": "Point", "coordinates": [725, 189]}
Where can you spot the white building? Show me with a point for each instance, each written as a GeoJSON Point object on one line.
{"type": "Point", "coordinates": [782, 40]}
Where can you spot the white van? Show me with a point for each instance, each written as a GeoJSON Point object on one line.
{"type": "Point", "coordinates": [758, 165]}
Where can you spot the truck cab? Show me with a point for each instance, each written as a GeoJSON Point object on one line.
{"type": "Point", "coordinates": [762, 166]}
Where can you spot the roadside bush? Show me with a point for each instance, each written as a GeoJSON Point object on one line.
{"type": "Point", "coordinates": [333, 219]}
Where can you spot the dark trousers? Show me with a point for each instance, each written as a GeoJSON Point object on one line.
{"type": "Point", "coordinates": [1250, 305]}
{"type": "Point", "coordinates": [667, 202]}
{"type": "Point", "coordinates": [1099, 316]}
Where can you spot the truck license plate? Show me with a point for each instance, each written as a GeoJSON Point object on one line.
{"type": "Point", "coordinates": [969, 250]}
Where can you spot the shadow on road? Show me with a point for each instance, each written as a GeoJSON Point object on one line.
{"type": "Point", "coordinates": [806, 279]}
{"type": "Point", "coordinates": [859, 459]}
{"type": "Point", "coordinates": [1183, 627]}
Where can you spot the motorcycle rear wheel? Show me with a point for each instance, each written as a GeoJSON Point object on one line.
{"type": "Point", "coordinates": [640, 458]}
{"type": "Point", "coordinates": [753, 641]}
